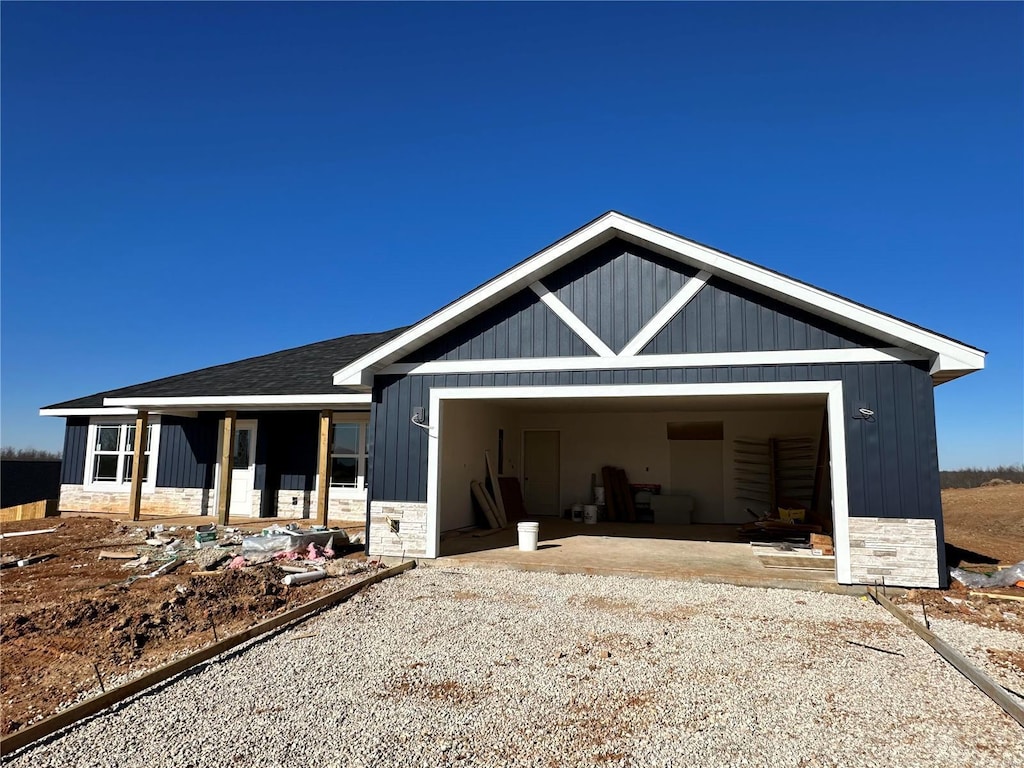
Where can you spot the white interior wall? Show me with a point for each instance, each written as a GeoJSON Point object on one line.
{"type": "Point", "coordinates": [638, 443]}
{"type": "Point", "coordinates": [468, 428]}
{"type": "Point", "coordinates": [697, 469]}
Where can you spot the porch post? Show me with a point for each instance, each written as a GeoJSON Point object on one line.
{"type": "Point", "coordinates": [227, 451]}
{"type": "Point", "coordinates": [323, 467]}
{"type": "Point", "coordinates": [138, 457]}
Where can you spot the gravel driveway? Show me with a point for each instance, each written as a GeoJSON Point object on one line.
{"type": "Point", "coordinates": [482, 667]}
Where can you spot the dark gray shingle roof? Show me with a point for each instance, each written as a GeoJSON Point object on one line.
{"type": "Point", "coordinates": [305, 370]}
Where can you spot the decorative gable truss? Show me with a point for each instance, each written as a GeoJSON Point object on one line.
{"type": "Point", "coordinates": [627, 308]}
{"type": "Point", "coordinates": [620, 294]}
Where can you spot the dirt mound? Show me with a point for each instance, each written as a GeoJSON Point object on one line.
{"type": "Point", "coordinates": [74, 617]}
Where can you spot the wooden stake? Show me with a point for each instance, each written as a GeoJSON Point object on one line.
{"type": "Point", "coordinates": [73, 714]}
{"type": "Point", "coordinates": [98, 677]}
{"type": "Point", "coordinates": [138, 456]}
{"type": "Point", "coordinates": [323, 468]}
{"type": "Point", "coordinates": [986, 684]}
{"type": "Point", "coordinates": [227, 451]}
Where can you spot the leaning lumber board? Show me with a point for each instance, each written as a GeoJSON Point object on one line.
{"type": "Point", "coordinates": [986, 684]}
{"type": "Point", "coordinates": [480, 494]}
{"type": "Point", "coordinates": [499, 502]}
{"type": "Point", "coordinates": [54, 723]}
{"type": "Point", "coordinates": [610, 501]}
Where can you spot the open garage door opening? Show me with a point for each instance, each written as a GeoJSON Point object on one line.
{"type": "Point", "coordinates": [713, 466]}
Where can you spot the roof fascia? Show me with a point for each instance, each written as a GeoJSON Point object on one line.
{"type": "Point", "coordinates": [238, 402]}
{"type": "Point", "coordinates": [95, 411]}
{"type": "Point", "coordinates": [360, 371]}
{"type": "Point", "coordinates": [947, 355]}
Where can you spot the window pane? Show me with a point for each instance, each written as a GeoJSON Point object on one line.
{"type": "Point", "coordinates": [107, 438]}
{"type": "Point", "coordinates": [129, 444]}
{"type": "Point", "coordinates": [129, 461]}
{"type": "Point", "coordinates": [242, 442]}
{"type": "Point", "coordinates": [343, 472]}
{"type": "Point", "coordinates": [346, 439]}
{"type": "Point", "coordinates": [105, 468]}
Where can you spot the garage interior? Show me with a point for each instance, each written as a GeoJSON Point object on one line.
{"type": "Point", "coordinates": [702, 470]}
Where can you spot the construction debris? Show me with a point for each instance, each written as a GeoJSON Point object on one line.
{"type": "Point", "coordinates": [277, 538]}
{"type": "Point", "coordinates": [27, 533]}
{"type": "Point", "coordinates": [106, 554]}
{"type": "Point", "coordinates": [295, 579]}
{"type": "Point", "coordinates": [167, 567]}
{"type": "Point", "coordinates": [34, 559]}
{"type": "Point", "coordinates": [209, 558]}
{"type": "Point", "coordinates": [1005, 577]}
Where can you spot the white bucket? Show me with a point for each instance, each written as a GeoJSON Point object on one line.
{"type": "Point", "coordinates": [599, 494]}
{"type": "Point", "coordinates": [577, 513]}
{"type": "Point", "coordinates": [528, 533]}
{"type": "Point", "coordinates": [590, 513]}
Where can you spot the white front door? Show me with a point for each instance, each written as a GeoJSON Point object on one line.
{"type": "Point", "coordinates": [243, 469]}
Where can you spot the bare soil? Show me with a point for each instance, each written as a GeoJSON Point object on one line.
{"type": "Point", "coordinates": [62, 616]}
{"type": "Point", "coordinates": [987, 521]}
{"type": "Point", "coordinates": [984, 530]}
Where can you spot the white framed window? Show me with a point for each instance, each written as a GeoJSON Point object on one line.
{"type": "Point", "coordinates": [110, 456]}
{"type": "Point", "coordinates": [348, 452]}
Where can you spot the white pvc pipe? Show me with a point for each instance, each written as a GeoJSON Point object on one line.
{"type": "Point", "coordinates": [292, 579]}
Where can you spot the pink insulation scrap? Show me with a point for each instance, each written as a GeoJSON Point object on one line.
{"type": "Point", "coordinates": [237, 563]}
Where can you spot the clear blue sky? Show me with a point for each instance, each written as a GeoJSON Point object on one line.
{"type": "Point", "coordinates": [190, 184]}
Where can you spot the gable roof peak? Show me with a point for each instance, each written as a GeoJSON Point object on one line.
{"type": "Point", "coordinates": [949, 358]}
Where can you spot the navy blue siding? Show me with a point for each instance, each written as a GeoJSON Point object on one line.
{"type": "Point", "coordinates": [188, 451]}
{"type": "Point", "coordinates": [616, 288]}
{"type": "Point", "coordinates": [76, 444]}
{"type": "Point", "coordinates": [398, 470]}
{"type": "Point", "coordinates": [286, 450]}
{"type": "Point", "coordinates": [521, 326]}
{"type": "Point", "coordinates": [892, 461]}
{"type": "Point", "coordinates": [724, 317]}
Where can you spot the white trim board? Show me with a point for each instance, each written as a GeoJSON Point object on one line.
{"type": "Point", "coordinates": [664, 315]}
{"type": "Point", "coordinates": [570, 318]}
{"type": "Point", "coordinates": [948, 355]}
{"type": "Point", "coordinates": [693, 360]}
{"type": "Point", "coordinates": [87, 411]}
{"type": "Point", "coordinates": [834, 409]}
{"type": "Point", "coordinates": [237, 402]}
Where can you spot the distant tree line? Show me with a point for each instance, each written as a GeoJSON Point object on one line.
{"type": "Point", "coordinates": [28, 454]}
{"type": "Point", "coordinates": [973, 477]}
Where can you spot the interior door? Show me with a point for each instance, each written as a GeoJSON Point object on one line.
{"type": "Point", "coordinates": [243, 469]}
{"type": "Point", "coordinates": [541, 472]}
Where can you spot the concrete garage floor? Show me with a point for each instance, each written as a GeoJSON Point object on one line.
{"type": "Point", "coordinates": [707, 553]}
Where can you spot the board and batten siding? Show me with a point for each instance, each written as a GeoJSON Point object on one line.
{"type": "Point", "coordinates": [892, 456]}
{"type": "Point", "coordinates": [188, 451]}
{"type": "Point", "coordinates": [520, 326]}
{"type": "Point", "coordinates": [76, 446]}
{"type": "Point", "coordinates": [725, 317]}
{"type": "Point", "coordinates": [616, 288]}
